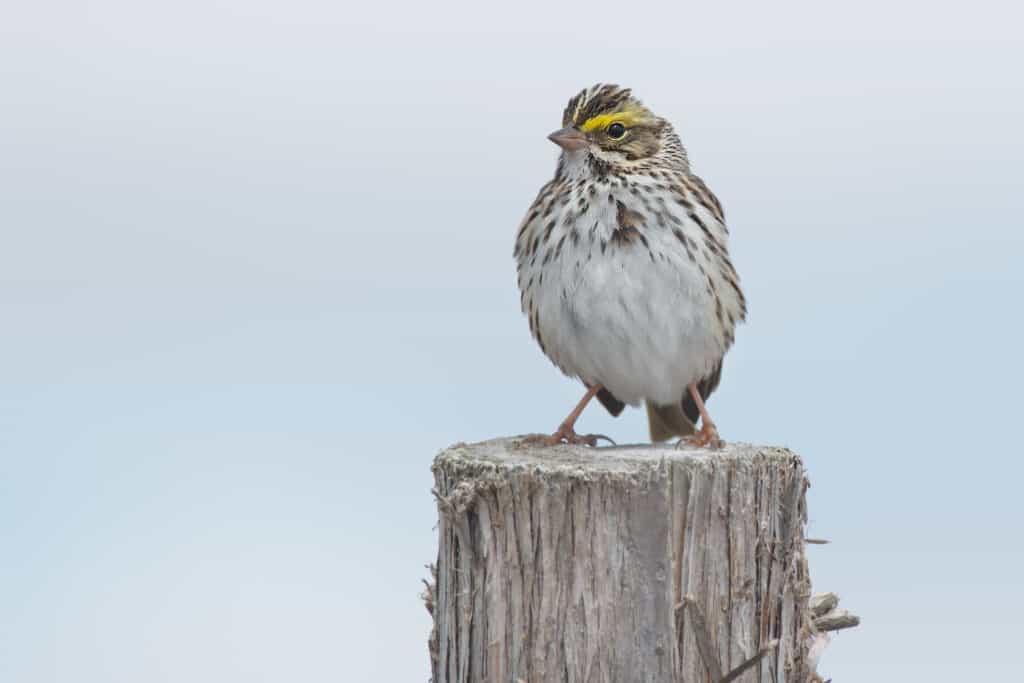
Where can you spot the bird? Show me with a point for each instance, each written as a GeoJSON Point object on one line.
{"type": "Point", "coordinates": [624, 270]}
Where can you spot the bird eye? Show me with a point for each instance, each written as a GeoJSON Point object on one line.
{"type": "Point", "coordinates": [616, 131]}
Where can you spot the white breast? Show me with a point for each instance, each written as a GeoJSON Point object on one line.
{"type": "Point", "coordinates": [637, 319]}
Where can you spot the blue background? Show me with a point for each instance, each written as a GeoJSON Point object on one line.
{"type": "Point", "coordinates": [255, 271]}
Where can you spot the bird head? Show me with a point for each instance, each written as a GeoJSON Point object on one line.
{"type": "Point", "coordinates": [609, 123]}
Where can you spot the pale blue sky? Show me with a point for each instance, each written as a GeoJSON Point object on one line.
{"type": "Point", "coordinates": [255, 270]}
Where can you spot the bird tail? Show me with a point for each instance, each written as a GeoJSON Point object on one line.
{"type": "Point", "coordinates": [668, 421]}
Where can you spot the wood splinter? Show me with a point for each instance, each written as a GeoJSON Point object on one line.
{"type": "Point", "coordinates": [707, 649]}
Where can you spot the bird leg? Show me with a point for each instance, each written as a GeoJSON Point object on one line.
{"type": "Point", "coordinates": [566, 431]}
{"type": "Point", "coordinates": [708, 434]}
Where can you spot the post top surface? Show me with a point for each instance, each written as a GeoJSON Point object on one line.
{"type": "Point", "coordinates": [520, 452]}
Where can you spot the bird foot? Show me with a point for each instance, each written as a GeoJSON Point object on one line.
{"type": "Point", "coordinates": [566, 434]}
{"type": "Point", "coordinates": [707, 437]}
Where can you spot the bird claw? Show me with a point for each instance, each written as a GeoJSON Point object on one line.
{"type": "Point", "coordinates": [592, 439]}
{"type": "Point", "coordinates": [707, 437]}
{"type": "Point", "coordinates": [569, 435]}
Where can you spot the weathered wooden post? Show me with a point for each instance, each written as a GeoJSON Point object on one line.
{"type": "Point", "coordinates": [643, 564]}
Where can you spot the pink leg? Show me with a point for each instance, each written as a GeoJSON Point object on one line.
{"type": "Point", "coordinates": [567, 432]}
{"type": "Point", "coordinates": [708, 434]}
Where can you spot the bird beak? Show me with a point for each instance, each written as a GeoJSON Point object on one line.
{"type": "Point", "coordinates": [569, 139]}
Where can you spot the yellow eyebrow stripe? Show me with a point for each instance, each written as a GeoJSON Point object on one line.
{"type": "Point", "coordinates": [604, 120]}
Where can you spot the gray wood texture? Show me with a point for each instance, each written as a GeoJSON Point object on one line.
{"type": "Point", "coordinates": [615, 565]}
{"type": "Point", "coordinates": [827, 614]}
